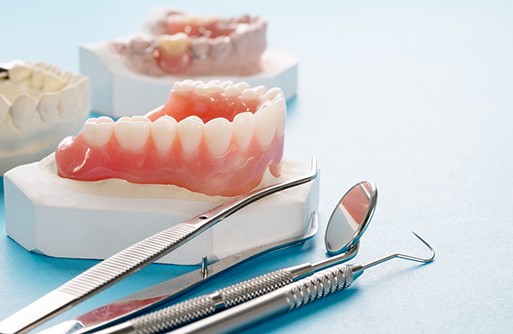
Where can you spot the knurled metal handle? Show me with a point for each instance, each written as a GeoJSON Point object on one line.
{"type": "Point", "coordinates": [198, 308]}
{"type": "Point", "coordinates": [319, 285]}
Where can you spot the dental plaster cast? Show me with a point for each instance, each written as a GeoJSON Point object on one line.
{"type": "Point", "coordinates": [173, 46]}
{"type": "Point", "coordinates": [39, 105]}
{"type": "Point", "coordinates": [117, 182]}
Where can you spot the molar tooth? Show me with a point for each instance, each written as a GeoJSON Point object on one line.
{"type": "Point", "coordinates": [227, 83]}
{"type": "Point", "coordinates": [232, 91]}
{"type": "Point", "coordinates": [23, 110]}
{"type": "Point", "coordinates": [243, 129]}
{"type": "Point", "coordinates": [218, 136]}
{"type": "Point", "coordinates": [184, 86]}
{"type": "Point", "coordinates": [198, 83]}
{"type": "Point", "coordinates": [190, 131]}
{"type": "Point", "coordinates": [132, 136]}
{"type": "Point", "coordinates": [97, 131]}
{"type": "Point", "coordinates": [259, 90]}
{"type": "Point", "coordinates": [20, 72]}
{"type": "Point", "coordinates": [38, 78]}
{"type": "Point", "coordinates": [281, 115]}
{"type": "Point", "coordinates": [242, 85]}
{"type": "Point", "coordinates": [163, 131]}
{"type": "Point", "coordinates": [273, 92]}
{"type": "Point", "coordinates": [215, 82]}
{"type": "Point", "coordinates": [4, 108]}
{"type": "Point", "coordinates": [213, 88]}
{"type": "Point", "coordinates": [248, 94]}
{"type": "Point", "coordinates": [201, 90]}
{"type": "Point", "coordinates": [52, 83]}
{"type": "Point", "coordinates": [265, 125]}
{"type": "Point", "coordinates": [140, 118]}
{"type": "Point", "coordinates": [48, 106]}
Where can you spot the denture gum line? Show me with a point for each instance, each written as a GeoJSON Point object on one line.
{"type": "Point", "coordinates": [177, 146]}
{"type": "Point", "coordinates": [132, 133]}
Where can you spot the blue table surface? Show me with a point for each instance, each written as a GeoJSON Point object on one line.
{"type": "Point", "coordinates": [414, 95]}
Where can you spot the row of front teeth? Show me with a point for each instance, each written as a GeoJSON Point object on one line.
{"type": "Point", "coordinates": [228, 88]}
{"type": "Point", "coordinates": [133, 133]}
{"type": "Point", "coordinates": [45, 77]}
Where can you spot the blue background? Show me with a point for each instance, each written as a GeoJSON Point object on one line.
{"type": "Point", "coordinates": [414, 95]}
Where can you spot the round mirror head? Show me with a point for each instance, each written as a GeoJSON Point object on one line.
{"type": "Point", "coordinates": [351, 217]}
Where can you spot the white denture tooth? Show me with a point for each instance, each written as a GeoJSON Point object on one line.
{"type": "Point", "coordinates": [20, 72]}
{"type": "Point", "coordinates": [215, 82]}
{"type": "Point", "coordinates": [132, 136]}
{"type": "Point", "coordinates": [232, 91]}
{"type": "Point", "coordinates": [184, 86]}
{"type": "Point", "coordinates": [140, 118]}
{"type": "Point", "coordinates": [218, 136]}
{"type": "Point", "coordinates": [227, 83]}
{"type": "Point", "coordinates": [214, 88]}
{"type": "Point", "coordinates": [281, 116]}
{"type": "Point", "coordinates": [47, 106]}
{"type": "Point", "coordinates": [243, 129]}
{"type": "Point", "coordinates": [198, 83]}
{"type": "Point", "coordinates": [163, 132]}
{"type": "Point", "coordinates": [23, 109]}
{"type": "Point", "coordinates": [259, 90]}
{"type": "Point", "coordinates": [242, 85]}
{"type": "Point", "coordinates": [265, 124]}
{"type": "Point", "coordinates": [97, 131]}
{"type": "Point", "coordinates": [201, 90]}
{"type": "Point", "coordinates": [248, 94]}
{"type": "Point", "coordinates": [4, 108]}
{"type": "Point", "coordinates": [52, 83]}
{"type": "Point", "coordinates": [102, 119]}
{"type": "Point", "coordinates": [190, 131]}
{"type": "Point", "coordinates": [38, 78]}
{"type": "Point", "coordinates": [273, 92]}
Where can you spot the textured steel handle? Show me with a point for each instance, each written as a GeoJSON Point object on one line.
{"type": "Point", "coordinates": [198, 308]}
{"type": "Point", "coordinates": [128, 260]}
{"type": "Point", "coordinates": [319, 285]}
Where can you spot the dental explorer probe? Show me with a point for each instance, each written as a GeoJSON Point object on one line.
{"type": "Point", "coordinates": [291, 297]}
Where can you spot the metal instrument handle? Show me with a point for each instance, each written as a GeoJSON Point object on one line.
{"type": "Point", "coordinates": [283, 300]}
{"type": "Point", "coordinates": [133, 258]}
{"type": "Point", "coordinates": [194, 309]}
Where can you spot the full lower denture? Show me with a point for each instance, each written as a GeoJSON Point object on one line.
{"type": "Point", "coordinates": [216, 138]}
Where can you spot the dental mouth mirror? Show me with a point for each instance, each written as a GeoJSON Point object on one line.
{"type": "Point", "coordinates": [346, 226]}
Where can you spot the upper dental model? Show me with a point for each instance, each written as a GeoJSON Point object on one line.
{"type": "Point", "coordinates": [216, 138]}
{"type": "Point", "coordinates": [39, 106]}
{"type": "Point", "coordinates": [196, 45]}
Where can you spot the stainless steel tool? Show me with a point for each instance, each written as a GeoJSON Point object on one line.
{"type": "Point", "coordinates": [154, 296]}
{"type": "Point", "coordinates": [345, 228]}
{"type": "Point", "coordinates": [133, 258]}
{"type": "Point", "coordinates": [290, 297]}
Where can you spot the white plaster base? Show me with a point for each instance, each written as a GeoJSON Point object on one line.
{"type": "Point", "coordinates": [117, 91]}
{"type": "Point", "coordinates": [58, 217]}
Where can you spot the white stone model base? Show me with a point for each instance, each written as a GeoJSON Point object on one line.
{"type": "Point", "coordinates": [59, 217]}
{"type": "Point", "coordinates": [117, 91]}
